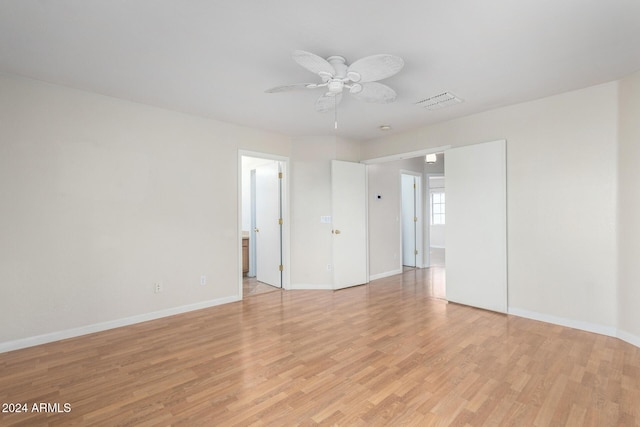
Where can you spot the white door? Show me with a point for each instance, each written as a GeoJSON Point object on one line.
{"type": "Point", "coordinates": [349, 214]}
{"type": "Point", "coordinates": [268, 236]}
{"type": "Point", "coordinates": [476, 262]}
{"type": "Point", "coordinates": [409, 219]}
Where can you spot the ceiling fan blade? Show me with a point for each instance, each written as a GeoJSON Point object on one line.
{"type": "Point", "coordinates": [296, 86]}
{"type": "Point", "coordinates": [312, 62]}
{"type": "Point", "coordinates": [376, 92]}
{"type": "Point", "coordinates": [376, 67]}
{"type": "Point", "coordinates": [326, 103]}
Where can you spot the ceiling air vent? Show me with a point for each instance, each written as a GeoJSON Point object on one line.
{"type": "Point", "coordinates": [439, 101]}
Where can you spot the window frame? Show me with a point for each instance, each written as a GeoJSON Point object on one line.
{"type": "Point", "coordinates": [441, 214]}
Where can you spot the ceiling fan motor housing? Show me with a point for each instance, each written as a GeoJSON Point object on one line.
{"type": "Point", "coordinates": [342, 75]}
{"type": "Point", "coordinates": [338, 63]}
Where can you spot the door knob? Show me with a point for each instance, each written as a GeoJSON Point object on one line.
{"type": "Point", "coordinates": [257, 230]}
{"type": "Point", "coordinates": [335, 231]}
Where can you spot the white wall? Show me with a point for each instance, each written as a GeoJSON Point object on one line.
{"type": "Point", "coordinates": [561, 174]}
{"type": "Point", "coordinates": [100, 198]}
{"type": "Point", "coordinates": [311, 245]}
{"type": "Point", "coordinates": [384, 215]}
{"type": "Point", "coordinates": [437, 236]}
{"type": "Point", "coordinates": [629, 209]}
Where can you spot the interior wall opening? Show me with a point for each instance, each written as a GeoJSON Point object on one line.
{"type": "Point", "coordinates": [400, 217]}
{"type": "Point", "coordinates": [436, 206]}
{"type": "Point", "coordinates": [263, 207]}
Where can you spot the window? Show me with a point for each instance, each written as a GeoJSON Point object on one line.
{"type": "Point", "coordinates": [437, 208]}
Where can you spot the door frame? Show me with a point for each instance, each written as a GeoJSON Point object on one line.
{"type": "Point", "coordinates": [419, 223]}
{"type": "Point", "coordinates": [286, 226]}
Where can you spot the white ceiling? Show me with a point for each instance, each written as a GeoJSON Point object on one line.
{"type": "Point", "coordinates": [216, 58]}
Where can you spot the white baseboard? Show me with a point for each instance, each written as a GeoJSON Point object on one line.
{"type": "Point", "coordinates": [575, 324]}
{"type": "Point", "coordinates": [310, 286]}
{"type": "Point", "coordinates": [385, 274]}
{"type": "Point", "coordinates": [103, 326]}
{"type": "Point", "coordinates": [630, 338]}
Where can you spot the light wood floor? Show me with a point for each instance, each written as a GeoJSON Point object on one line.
{"type": "Point", "coordinates": [250, 286]}
{"type": "Point", "coordinates": [388, 353]}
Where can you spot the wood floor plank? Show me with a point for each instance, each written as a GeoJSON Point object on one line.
{"type": "Point", "coordinates": [389, 353]}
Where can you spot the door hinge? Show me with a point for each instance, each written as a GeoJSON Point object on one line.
{"type": "Point", "coordinates": [280, 267]}
{"type": "Point", "coordinates": [415, 219]}
{"type": "Point", "coordinates": [280, 175]}
{"type": "Point", "coordinates": [414, 185]}
{"type": "Point", "coordinates": [416, 252]}
{"type": "Point", "coordinates": [280, 221]}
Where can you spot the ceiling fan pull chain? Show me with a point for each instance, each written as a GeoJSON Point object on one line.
{"type": "Point", "coordinates": [335, 112]}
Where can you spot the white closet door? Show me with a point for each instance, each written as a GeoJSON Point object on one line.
{"type": "Point", "coordinates": [476, 224]}
{"type": "Point", "coordinates": [349, 222]}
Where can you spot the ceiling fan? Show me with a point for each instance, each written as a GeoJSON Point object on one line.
{"type": "Point", "coordinates": [359, 78]}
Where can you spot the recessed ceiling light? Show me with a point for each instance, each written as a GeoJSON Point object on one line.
{"type": "Point", "coordinates": [385, 127]}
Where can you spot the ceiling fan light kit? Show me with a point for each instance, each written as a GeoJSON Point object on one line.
{"type": "Point", "coordinates": [360, 78]}
{"type": "Point", "coordinates": [335, 86]}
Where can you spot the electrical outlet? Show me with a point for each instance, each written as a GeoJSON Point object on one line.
{"type": "Point", "coordinates": [203, 280]}
{"type": "Point", "coordinates": [158, 287]}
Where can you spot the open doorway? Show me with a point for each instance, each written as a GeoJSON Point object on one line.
{"type": "Point", "coordinates": [263, 224]}
{"type": "Point", "coordinates": [394, 232]}
{"type": "Point", "coordinates": [437, 219]}
{"type": "Point", "coordinates": [435, 223]}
